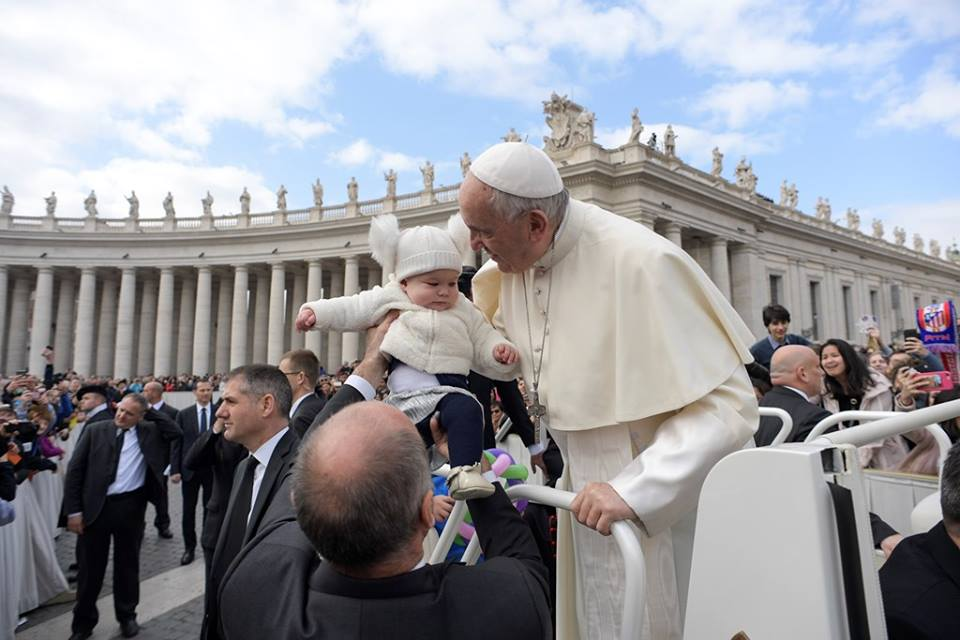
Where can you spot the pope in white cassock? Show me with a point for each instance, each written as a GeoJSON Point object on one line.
{"type": "Point", "coordinates": [636, 359]}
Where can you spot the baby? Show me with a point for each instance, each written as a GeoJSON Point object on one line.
{"type": "Point", "coordinates": [437, 339]}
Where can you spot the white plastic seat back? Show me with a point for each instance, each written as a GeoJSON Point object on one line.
{"type": "Point", "coordinates": [786, 423]}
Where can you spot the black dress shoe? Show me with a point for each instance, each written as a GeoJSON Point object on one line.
{"type": "Point", "coordinates": [80, 635]}
{"type": "Point", "coordinates": [187, 557]}
{"type": "Point", "coordinates": [165, 533]}
{"type": "Point", "coordinates": [129, 628]}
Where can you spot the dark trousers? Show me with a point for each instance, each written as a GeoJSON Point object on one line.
{"type": "Point", "coordinates": [191, 491]}
{"type": "Point", "coordinates": [462, 418]}
{"type": "Point", "coordinates": [160, 504]}
{"type": "Point", "coordinates": [121, 519]}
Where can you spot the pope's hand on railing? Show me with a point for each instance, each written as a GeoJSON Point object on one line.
{"type": "Point", "coordinates": [598, 506]}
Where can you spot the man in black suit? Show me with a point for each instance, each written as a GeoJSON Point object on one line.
{"type": "Point", "coordinates": [213, 452]}
{"type": "Point", "coordinates": [254, 407]}
{"type": "Point", "coordinates": [796, 376]}
{"type": "Point", "coordinates": [363, 497]}
{"type": "Point", "coordinates": [153, 392]}
{"type": "Point", "coordinates": [116, 466]}
{"type": "Point", "coordinates": [920, 583]}
{"type": "Point", "coordinates": [194, 421]}
{"type": "Point", "coordinates": [302, 370]}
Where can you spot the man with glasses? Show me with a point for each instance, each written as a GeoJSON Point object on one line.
{"type": "Point", "coordinates": [302, 369]}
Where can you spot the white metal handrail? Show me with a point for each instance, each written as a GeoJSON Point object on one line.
{"type": "Point", "coordinates": [625, 535]}
{"type": "Point", "coordinates": [786, 423]}
{"type": "Point", "coordinates": [892, 425]}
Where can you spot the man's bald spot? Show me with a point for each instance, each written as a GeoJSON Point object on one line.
{"type": "Point", "coordinates": [153, 385]}
{"type": "Point", "coordinates": [344, 445]}
{"type": "Point", "coordinates": [788, 358]}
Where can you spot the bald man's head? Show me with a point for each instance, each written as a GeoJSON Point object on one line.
{"type": "Point", "coordinates": [153, 392]}
{"type": "Point", "coordinates": [796, 366]}
{"type": "Point", "coordinates": [359, 485]}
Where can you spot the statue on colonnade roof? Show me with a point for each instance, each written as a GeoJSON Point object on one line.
{"type": "Point", "coordinates": [282, 198]}
{"type": "Point", "coordinates": [391, 178]}
{"type": "Point", "coordinates": [245, 202]}
{"type": "Point", "coordinates": [465, 162]}
{"type": "Point", "coordinates": [51, 201]}
{"type": "Point", "coordinates": [317, 194]}
{"type": "Point", "coordinates": [717, 167]}
{"type": "Point", "coordinates": [899, 235]}
{"type": "Point", "coordinates": [134, 201]}
{"type": "Point", "coordinates": [853, 219]}
{"type": "Point", "coordinates": [570, 124]}
{"type": "Point", "coordinates": [168, 209]}
{"type": "Point", "coordinates": [90, 204]}
{"type": "Point", "coordinates": [636, 127]}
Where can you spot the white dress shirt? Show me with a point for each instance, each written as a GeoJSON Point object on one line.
{"type": "Point", "coordinates": [263, 455]}
{"type": "Point", "coordinates": [795, 390]}
{"type": "Point", "coordinates": [209, 416]}
{"type": "Point", "coordinates": [132, 468]}
{"type": "Point", "coordinates": [296, 404]}
{"type": "Point", "coordinates": [156, 407]}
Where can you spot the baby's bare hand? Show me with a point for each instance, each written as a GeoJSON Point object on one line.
{"type": "Point", "coordinates": [305, 320]}
{"type": "Point", "coordinates": [505, 354]}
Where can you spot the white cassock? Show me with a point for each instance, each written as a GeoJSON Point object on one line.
{"type": "Point", "coordinates": [644, 385]}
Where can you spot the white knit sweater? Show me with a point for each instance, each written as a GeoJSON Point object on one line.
{"type": "Point", "coordinates": [452, 341]}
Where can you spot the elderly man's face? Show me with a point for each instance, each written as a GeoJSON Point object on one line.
{"type": "Point", "coordinates": [129, 414]}
{"type": "Point", "coordinates": [508, 243]}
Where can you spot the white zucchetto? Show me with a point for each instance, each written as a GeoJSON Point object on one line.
{"type": "Point", "coordinates": [519, 169]}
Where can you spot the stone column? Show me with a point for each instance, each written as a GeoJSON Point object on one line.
{"type": "Point", "coordinates": [146, 342]}
{"type": "Point", "coordinates": [63, 337]}
{"type": "Point", "coordinates": [86, 307]}
{"type": "Point", "coordinates": [42, 319]}
{"type": "Point", "coordinates": [720, 266]}
{"type": "Point", "coordinates": [335, 338]}
{"type": "Point", "coordinates": [299, 297]}
{"type": "Point", "coordinates": [313, 340]}
{"type": "Point", "coordinates": [795, 287]}
{"type": "Point", "coordinates": [202, 320]}
{"type": "Point", "coordinates": [746, 288]}
{"type": "Point", "coordinates": [238, 327]}
{"type": "Point", "coordinates": [188, 302]}
{"type": "Point", "coordinates": [164, 333]}
{"type": "Point", "coordinates": [278, 277]}
{"type": "Point", "coordinates": [17, 338]}
{"type": "Point", "coordinates": [4, 294]}
{"type": "Point", "coordinates": [224, 313]}
{"type": "Point", "coordinates": [673, 233]}
{"type": "Point", "coordinates": [261, 317]}
{"type": "Point", "coordinates": [126, 316]}
{"type": "Point", "coordinates": [107, 327]}
{"type": "Point", "coordinates": [374, 277]}
{"type": "Point", "coordinates": [351, 285]}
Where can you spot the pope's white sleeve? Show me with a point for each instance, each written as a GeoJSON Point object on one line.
{"type": "Point", "coordinates": [663, 483]}
{"type": "Point", "coordinates": [484, 338]}
{"type": "Point", "coordinates": [350, 313]}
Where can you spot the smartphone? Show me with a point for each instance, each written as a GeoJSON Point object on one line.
{"type": "Point", "coordinates": [938, 380]}
{"type": "Point", "coordinates": [22, 372]}
{"type": "Point", "coordinates": [911, 333]}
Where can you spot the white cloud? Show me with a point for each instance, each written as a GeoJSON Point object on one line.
{"type": "Point", "coordinates": [939, 219]}
{"type": "Point", "coordinates": [361, 152]}
{"type": "Point", "coordinates": [695, 145]}
{"type": "Point", "coordinates": [756, 37]}
{"type": "Point", "coordinates": [927, 20]}
{"type": "Point", "coordinates": [936, 102]}
{"type": "Point", "coordinates": [743, 103]}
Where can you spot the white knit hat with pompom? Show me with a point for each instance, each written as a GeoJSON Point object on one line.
{"type": "Point", "coordinates": [417, 250]}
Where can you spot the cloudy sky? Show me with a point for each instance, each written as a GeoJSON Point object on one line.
{"type": "Point", "coordinates": [855, 101]}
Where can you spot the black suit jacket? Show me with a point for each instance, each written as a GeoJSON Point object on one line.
{"type": "Point", "coordinates": [309, 408]}
{"type": "Point", "coordinates": [920, 583]}
{"type": "Point", "coordinates": [91, 465]}
{"type": "Point", "coordinates": [805, 416]}
{"type": "Point", "coordinates": [170, 412]}
{"type": "Point", "coordinates": [345, 395]}
{"type": "Point", "coordinates": [211, 452]}
{"type": "Point", "coordinates": [272, 504]}
{"type": "Point", "coordinates": [505, 597]}
{"type": "Point", "coordinates": [190, 425]}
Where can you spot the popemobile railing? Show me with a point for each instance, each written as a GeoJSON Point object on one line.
{"type": "Point", "coordinates": [879, 421]}
{"type": "Point", "coordinates": [624, 533]}
{"type": "Point", "coordinates": [786, 422]}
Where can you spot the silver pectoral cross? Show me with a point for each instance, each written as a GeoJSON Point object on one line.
{"type": "Point", "coordinates": [537, 411]}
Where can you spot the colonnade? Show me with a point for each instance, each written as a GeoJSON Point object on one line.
{"type": "Point", "coordinates": [130, 321]}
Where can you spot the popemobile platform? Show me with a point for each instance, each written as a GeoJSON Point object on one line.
{"type": "Point", "coordinates": [780, 545]}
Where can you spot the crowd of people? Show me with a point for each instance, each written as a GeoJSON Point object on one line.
{"type": "Point", "coordinates": [319, 487]}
